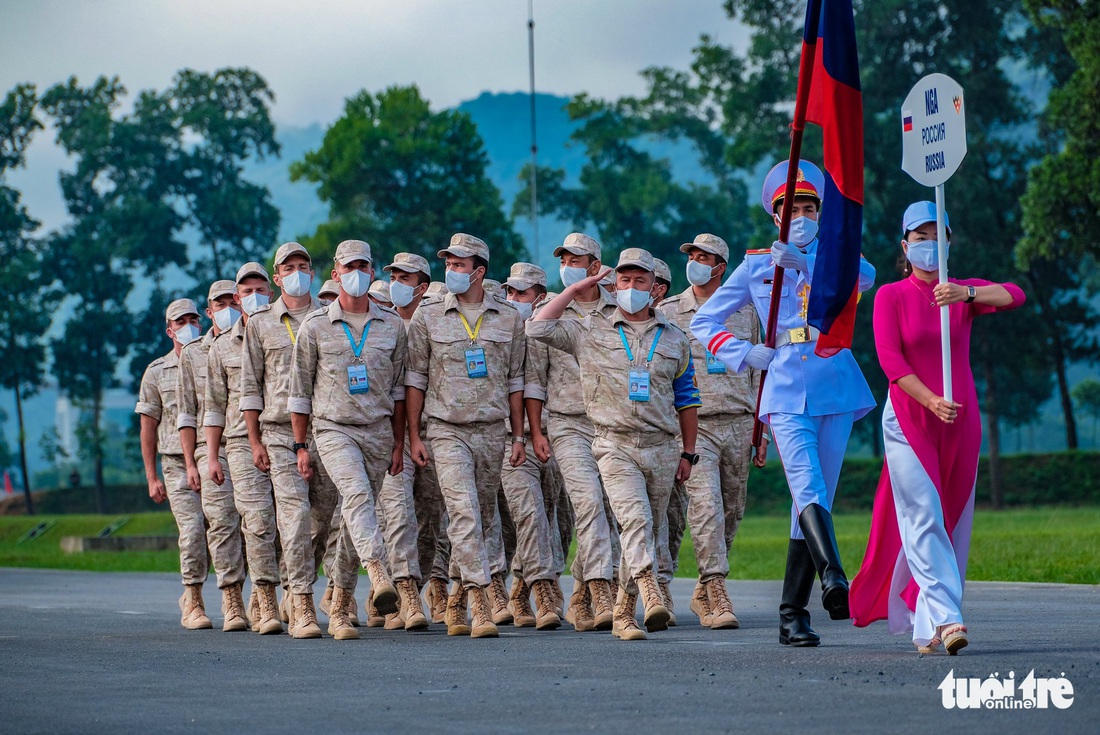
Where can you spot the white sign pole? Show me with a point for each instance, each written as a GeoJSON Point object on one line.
{"type": "Point", "coordinates": [945, 311]}
{"type": "Point", "coordinates": [933, 140]}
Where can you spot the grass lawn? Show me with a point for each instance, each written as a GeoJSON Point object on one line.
{"type": "Point", "coordinates": [1053, 544]}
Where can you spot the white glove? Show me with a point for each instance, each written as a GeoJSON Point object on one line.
{"type": "Point", "coordinates": [788, 256]}
{"type": "Point", "coordinates": [760, 356]}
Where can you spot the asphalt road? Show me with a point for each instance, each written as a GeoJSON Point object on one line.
{"type": "Point", "coordinates": [104, 652]}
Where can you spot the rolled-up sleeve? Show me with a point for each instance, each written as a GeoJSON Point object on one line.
{"type": "Point", "coordinates": [419, 353]}
{"type": "Point", "coordinates": [252, 368]}
{"type": "Point", "coordinates": [303, 371]}
{"type": "Point", "coordinates": [517, 357]}
{"type": "Point", "coordinates": [536, 370]}
{"type": "Point", "coordinates": [217, 388]}
{"type": "Point", "coordinates": [400, 360]}
{"type": "Point", "coordinates": [149, 401]}
{"type": "Point", "coordinates": [685, 387]}
{"type": "Point", "coordinates": [185, 391]}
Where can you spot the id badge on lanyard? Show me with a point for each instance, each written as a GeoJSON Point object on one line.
{"type": "Point", "coordinates": [638, 385]}
{"type": "Point", "coordinates": [475, 356]}
{"type": "Point", "coordinates": [714, 365]}
{"type": "Point", "coordinates": [357, 372]}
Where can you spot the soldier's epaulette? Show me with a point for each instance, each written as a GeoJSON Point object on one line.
{"type": "Point", "coordinates": [386, 309]}
{"type": "Point", "coordinates": [671, 299]}
{"type": "Point", "coordinates": [260, 310]}
{"type": "Point", "coordinates": [430, 300]}
{"type": "Point", "coordinates": [156, 362]}
{"type": "Point", "coordinates": [323, 311]}
{"type": "Point", "coordinates": [758, 251]}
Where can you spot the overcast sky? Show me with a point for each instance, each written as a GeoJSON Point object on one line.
{"type": "Point", "coordinates": [316, 53]}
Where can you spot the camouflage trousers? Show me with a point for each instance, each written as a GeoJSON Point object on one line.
{"type": "Point", "coordinates": [186, 508]}
{"type": "Point", "coordinates": [712, 503]}
{"type": "Point", "coordinates": [223, 533]}
{"type": "Point", "coordinates": [255, 501]}
{"type": "Point", "coordinates": [467, 461]}
{"type": "Point", "coordinates": [502, 537]}
{"type": "Point", "coordinates": [303, 510]}
{"type": "Point", "coordinates": [357, 459]}
{"type": "Point", "coordinates": [638, 472]}
{"type": "Point", "coordinates": [525, 489]}
{"type": "Point", "coordinates": [598, 550]}
{"type": "Point", "coordinates": [559, 512]}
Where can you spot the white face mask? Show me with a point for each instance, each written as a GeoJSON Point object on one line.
{"type": "Point", "coordinates": [457, 283]}
{"type": "Point", "coordinates": [698, 274]}
{"type": "Point", "coordinates": [355, 283]}
{"type": "Point", "coordinates": [524, 308]}
{"type": "Point", "coordinates": [631, 300]}
{"type": "Point", "coordinates": [570, 275]}
{"type": "Point", "coordinates": [925, 254]}
{"type": "Point", "coordinates": [253, 301]}
{"type": "Point", "coordinates": [803, 231]}
{"type": "Point", "coordinates": [226, 318]}
{"type": "Point", "coordinates": [401, 294]}
{"type": "Point", "coordinates": [297, 283]}
{"type": "Point", "coordinates": [186, 334]}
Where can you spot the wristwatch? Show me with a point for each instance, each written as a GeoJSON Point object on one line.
{"type": "Point", "coordinates": [520, 439]}
{"type": "Point", "coordinates": [693, 458]}
{"type": "Point", "coordinates": [971, 292]}
{"type": "Point", "coordinates": [298, 446]}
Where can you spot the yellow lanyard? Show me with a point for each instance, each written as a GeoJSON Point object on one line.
{"type": "Point", "coordinates": [286, 323]}
{"type": "Point", "coordinates": [477, 326]}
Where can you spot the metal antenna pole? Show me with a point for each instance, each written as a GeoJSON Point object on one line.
{"type": "Point", "coordinates": [534, 145]}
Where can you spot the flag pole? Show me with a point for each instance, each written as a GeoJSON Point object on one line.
{"type": "Point", "coordinates": [798, 126]}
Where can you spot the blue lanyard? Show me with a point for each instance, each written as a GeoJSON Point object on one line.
{"type": "Point", "coordinates": [652, 347]}
{"type": "Point", "coordinates": [357, 348]}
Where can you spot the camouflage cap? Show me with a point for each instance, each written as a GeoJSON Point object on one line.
{"type": "Point", "coordinates": [220, 288]}
{"type": "Point", "coordinates": [636, 258]}
{"type": "Point", "coordinates": [465, 246]}
{"type": "Point", "coordinates": [661, 270]}
{"type": "Point", "coordinates": [578, 244]}
{"type": "Point", "coordinates": [180, 307]}
{"type": "Point", "coordinates": [380, 290]}
{"type": "Point", "coordinates": [290, 248]}
{"type": "Point", "coordinates": [252, 268]}
{"type": "Point", "coordinates": [493, 288]}
{"type": "Point", "coordinates": [350, 251]}
{"type": "Point", "coordinates": [708, 243]}
{"type": "Point", "coordinates": [436, 288]}
{"type": "Point", "coordinates": [410, 263]}
{"type": "Point", "coordinates": [331, 288]}
{"type": "Point", "coordinates": [523, 276]}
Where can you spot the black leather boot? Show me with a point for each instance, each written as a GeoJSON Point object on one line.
{"type": "Point", "coordinates": [817, 527]}
{"type": "Point", "coordinates": [794, 619]}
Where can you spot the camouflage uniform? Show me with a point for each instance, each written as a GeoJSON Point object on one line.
{"type": "Point", "coordinates": [224, 532]}
{"type": "Point", "coordinates": [353, 432]}
{"type": "Point", "coordinates": [464, 418]}
{"type": "Point", "coordinates": [552, 376]}
{"type": "Point", "coordinates": [252, 492]}
{"type": "Point", "coordinates": [304, 509]}
{"type": "Point", "coordinates": [636, 445]}
{"type": "Point", "coordinates": [158, 399]}
{"type": "Point", "coordinates": [716, 490]}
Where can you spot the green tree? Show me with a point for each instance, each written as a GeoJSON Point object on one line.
{"type": "Point", "coordinates": [405, 178]}
{"type": "Point", "coordinates": [26, 300]}
{"type": "Point", "coordinates": [1086, 395]}
{"type": "Point", "coordinates": [1060, 246]}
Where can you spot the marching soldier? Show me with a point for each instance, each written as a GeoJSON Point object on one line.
{"type": "Point", "coordinates": [639, 389]}
{"type": "Point", "coordinates": [552, 378]}
{"type": "Point", "coordinates": [222, 420]}
{"type": "Point", "coordinates": [348, 375]}
{"type": "Point", "coordinates": [304, 509]}
{"type": "Point", "coordinates": [159, 408]}
{"type": "Point", "coordinates": [713, 499]}
{"type": "Point", "coordinates": [809, 402]}
{"type": "Point", "coordinates": [223, 534]}
{"type": "Point", "coordinates": [465, 374]}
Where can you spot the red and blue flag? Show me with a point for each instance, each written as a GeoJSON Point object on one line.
{"type": "Point", "coordinates": [835, 103]}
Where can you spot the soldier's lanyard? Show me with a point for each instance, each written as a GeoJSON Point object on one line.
{"type": "Point", "coordinates": [652, 347]}
{"type": "Point", "coordinates": [357, 348]}
{"type": "Point", "coordinates": [286, 323]}
{"type": "Point", "coordinates": [477, 326]}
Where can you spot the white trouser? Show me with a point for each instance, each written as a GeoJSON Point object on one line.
{"type": "Point", "coordinates": [811, 449]}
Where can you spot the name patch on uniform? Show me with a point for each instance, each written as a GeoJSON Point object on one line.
{"type": "Point", "coordinates": [357, 379]}
{"type": "Point", "coordinates": [639, 385]}
{"type": "Point", "coordinates": [475, 363]}
{"type": "Point", "coordinates": [714, 365]}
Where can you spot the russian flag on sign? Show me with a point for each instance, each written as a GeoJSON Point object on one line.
{"type": "Point", "coordinates": [836, 104]}
{"type": "Point", "coordinates": [906, 121]}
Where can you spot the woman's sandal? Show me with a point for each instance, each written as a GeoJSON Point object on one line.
{"type": "Point", "coordinates": [954, 638]}
{"type": "Point", "coordinates": [932, 647]}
